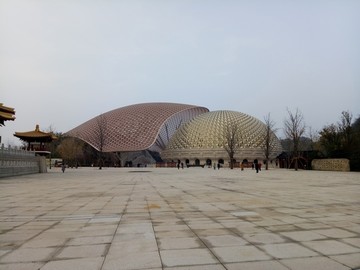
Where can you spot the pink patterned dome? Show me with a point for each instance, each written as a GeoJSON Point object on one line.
{"type": "Point", "coordinates": [146, 126]}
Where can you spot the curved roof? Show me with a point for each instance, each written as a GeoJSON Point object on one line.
{"type": "Point", "coordinates": [208, 131]}
{"type": "Point", "coordinates": [136, 127]}
{"type": "Point", "coordinates": [6, 114]}
{"type": "Point", "coordinates": [36, 135]}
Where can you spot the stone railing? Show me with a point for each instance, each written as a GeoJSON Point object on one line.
{"type": "Point", "coordinates": [17, 162]}
{"type": "Point", "coordinates": [331, 164]}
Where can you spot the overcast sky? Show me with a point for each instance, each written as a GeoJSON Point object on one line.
{"type": "Point", "coordinates": [64, 62]}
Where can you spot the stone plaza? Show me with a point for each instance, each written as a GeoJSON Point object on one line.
{"type": "Point", "coordinates": [172, 219]}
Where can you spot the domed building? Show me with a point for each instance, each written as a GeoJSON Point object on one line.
{"type": "Point", "coordinates": [203, 139]}
{"type": "Point", "coordinates": [139, 127]}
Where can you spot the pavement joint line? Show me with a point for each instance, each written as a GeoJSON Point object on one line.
{"type": "Point", "coordinates": [156, 238]}
{"type": "Point", "coordinates": [118, 225]}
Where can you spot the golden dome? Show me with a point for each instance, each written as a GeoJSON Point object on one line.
{"type": "Point", "coordinates": [208, 131]}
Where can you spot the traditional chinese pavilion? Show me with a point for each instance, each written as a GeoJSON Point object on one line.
{"type": "Point", "coordinates": [6, 114]}
{"type": "Point", "coordinates": [36, 140]}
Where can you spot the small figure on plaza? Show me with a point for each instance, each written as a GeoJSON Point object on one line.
{"type": "Point", "coordinates": [256, 164]}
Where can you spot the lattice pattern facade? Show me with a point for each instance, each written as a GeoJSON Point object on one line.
{"type": "Point", "coordinates": [147, 126]}
{"type": "Point", "coordinates": [203, 138]}
{"type": "Point", "coordinates": [331, 164]}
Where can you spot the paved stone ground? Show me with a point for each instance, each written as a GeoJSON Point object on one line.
{"type": "Point", "coordinates": [174, 219]}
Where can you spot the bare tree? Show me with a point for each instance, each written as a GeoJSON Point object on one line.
{"type": "Point", "coordinates": [71, 150]}
{"type": "Point", "coordinates": [269, 140]}
{"type": "Point", "coordinates": [314, 139]}
{"type": "Point", "coordinates": [101, 137]}
{"type": "Point", "coordinates": [294, 128]}
{"type": "Point", "coordinates": [233, 141]}
{"type": "Point", "coordinates": [345, 129]}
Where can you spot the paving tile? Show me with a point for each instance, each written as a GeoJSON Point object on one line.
{"type": "Point", "coordinates": [291, 219]}
{"type": "Point", "coordinates": [245, 214]}
{"type": "Point", "coordinates": [318, 263]}
{"type": "Point", "coordinates": [250, 229]}
{"type": "Point", "coordinates": [45, 242]}
{"type": "Point", "coordinates": [80, 241]}
{"type": "Point", "coordinates": [224, 240]}
{"type": "Point", "coordinates": [133, 247]}
{"type": "Point", "coordinates": [174, 234]}
{"type": "Point", "coordinates": [288, 250]}
{"type": "Point", "coordinates": [312, 225]}
{"type": "Point", "coordinates": [239, 254]}
{"type": "Point", "coordinates": [187, 257]}
{"type": "Point", "coordinates": [132, 261]}
{"type": "Point", "coordinates": [82, 251]}
{"type": "Point", "coordinates": [21, 266]}
{"type": "Point", "coordinates": [4, 251]}
{"type": "Point", "coordinates": [282, 228]}
{"type": "Point", "coordinates": [331, 247]}
{"type": "Point", "coordinates": [269, 222]}
{"type": "Point", "coordinates": [335, 233]}
{"type": "Point", "coordinates": [212, 232]}
{"type": "Point", "coordinates": [165, 228]}
{"type": "Point", "coordinates": [29, 255]}
{"type": "Point", "coordinates": [261, 265]}
{"type": "Point", "coordinates": [105, 219]}
{"type": "Point", "coordinates": [264, 238]}
{"type": "Point", "coordinates": [352, 241]}
{"type": "Point", "coordinates": [302, 236]}
{"type": "Point", "coordinates": [134, 237]}
{"type": "Point", "coordinates": [355, 229]}
{"type": "Point", "coordinates": [14, 237]}
{"type": "Point", "coordinates": [198, 267]}
{"type": "Point", "coordinates": [135, 228]}
{"type": "Point", "coordinates": [179, 243]}
{"type": "Point", "coordinates": [85, 263]}
{"type": "Point", "coordinates": [350, 260]}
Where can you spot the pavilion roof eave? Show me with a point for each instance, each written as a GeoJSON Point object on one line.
{"type": "Point", "coordinates": [7, 116]}
{"type": "Point", "coordinates": [36, 134]}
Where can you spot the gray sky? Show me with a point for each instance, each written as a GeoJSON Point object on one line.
{"type": "Point", "coordinates": [64, 62]}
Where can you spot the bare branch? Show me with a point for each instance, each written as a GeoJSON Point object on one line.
{"type": "Point", "coordinates": [294, 128]}
{"type": "Point", "coordinates": [269, 141]}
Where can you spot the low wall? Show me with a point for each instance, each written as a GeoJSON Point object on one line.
{"type": "Point", "coordinates": [18, 162]}
{"type": "Point", "coordinates": [333, 164]}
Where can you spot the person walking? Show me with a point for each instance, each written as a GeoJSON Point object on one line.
{"type": "Point", "coordinates": [63, 167]}
{"type": "Point", "coordinates": [256, 164]}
